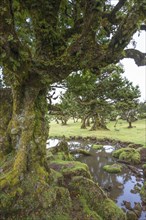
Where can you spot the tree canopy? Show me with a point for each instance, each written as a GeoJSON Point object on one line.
{"type": "Point", "coordinates": [49, 39]}
{"type": "Point", "coordinates": [97, 96]}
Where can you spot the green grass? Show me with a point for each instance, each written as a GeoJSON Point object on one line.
{"type": "Point", "coordinates": [136, 135]}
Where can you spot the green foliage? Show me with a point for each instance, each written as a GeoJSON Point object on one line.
{"type": "Point", "coordinates": [97, 96]}
{"type": "Point", "coordinates": [142, 110]}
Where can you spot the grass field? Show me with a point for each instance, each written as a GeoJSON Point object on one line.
{"type": "Point", "coordinates": [136, 134]}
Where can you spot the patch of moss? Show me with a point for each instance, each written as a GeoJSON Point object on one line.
{"type": "Point", "coordinates": [130, 155]}
{"type": "Point", "coordinates": [66, 192]}
{"type": "Point", "coordinates": [114, 168]}
{"type": "Point", "coordinates": [60, 152]}
{"type": "Point", "coordinates": [61, 217]}
{"type": "Point", "coordinates": [7, 161]}
{"type": "Point", "coordinates": [56, 176]}
{"type": "Point", "coordinates": [89, 213]}
{"type": "Point", "coordinates": [96, 200]}
{"type": "Point", "coordinates": [49, 155]}
{"type": "Point", "coordinates": [117, 153]}
{"type": "Point", "coordinates": [144, 166]}
{"type": "Point", "coordinates": [71, 168]}
{"type": "Point", "coordinates": [143, 192]}
{"type": "Point", "coordinates": [109, 210]}
{"type": "Point", "coordinates": [131, 215]}
{"type": "Point", "coordinates": [40, 200]}
{"type": "Point", "coordinates": [63, 156]}
{"type": "Point", "coordinates": [97, 146]}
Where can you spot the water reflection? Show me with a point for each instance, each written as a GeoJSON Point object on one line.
{"type": "Point", "coordinates": [119, 187]}
{"type": "Point", "coordinates": [52, 142]}
{"type": "Point", "coordinates": [108, 148]}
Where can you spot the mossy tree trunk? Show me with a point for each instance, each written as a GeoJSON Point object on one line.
{"type": "Point", "coordinates": [27, 130]}
{"type": "Point", "coordinates": [88, 122]}
{"type": "Point", "coordinates": [83, 125]}
{"type": "Point", "coordinates": [98, 123]}
{"type": "Point", "coordinates": [130, 124]}
{"type": "Point", "coordinates": [5, 117]}
{"type": "Point", "coordinates": [64, 120]}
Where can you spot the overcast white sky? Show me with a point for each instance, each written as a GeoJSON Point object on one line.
{"type": "Point", "coordinates": [136, 74]}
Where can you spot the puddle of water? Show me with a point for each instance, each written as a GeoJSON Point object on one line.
{"type": "Point", "coordinates": [118, 186]}
{"type": "Point", "coordinates": [52, 142]}
{"type": "Point", "coordinates": [108, 148]}
{"type": "Point", "coordinates": [76, 144]}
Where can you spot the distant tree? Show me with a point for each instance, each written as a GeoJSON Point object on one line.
{"type": "Point", "coordinates": [99, 96]}
{"type": "Point", "coordinates": [142, 110]}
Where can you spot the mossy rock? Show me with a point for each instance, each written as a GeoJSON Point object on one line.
{"type": "Point", "coordinates": [144, 166]}
{"type": "Point", "coordinates": [60, 152]}
{"type": "Point", "coordinates": [70, 168]}
{"type": "Point", "coordinates": [114, 168]}
{"type": "Point", "coordinates": [36, 199]}
{"type": "Point", "coordinates": [143, 192]}
{"type": "Point", "coordinates": [63, 156]}
{"type": "Point", "coordinates": [97, 146]}
{"type": "Point", "coordinates": [50, 156]}
{"type": "Point", "coordinates": [95, 201]}
{"type": "Point", "coordinates": [66, 192]}
{"type": "Point", "coordinates": [80, 199]}
{"type": "Point", "coordinates": [109, 210]}
{"type": "Point", "coordinates": [88, 212]}
{"type": "Point", "coordinates": [130, 155]}
{"type": "Point", "coordinates": [131, 215]}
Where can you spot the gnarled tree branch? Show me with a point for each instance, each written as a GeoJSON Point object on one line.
{"type": "Point", "coordinates": [139, 57]}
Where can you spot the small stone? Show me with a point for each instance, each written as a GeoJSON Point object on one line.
{"type": "Point", "coordinates": [127, 205]}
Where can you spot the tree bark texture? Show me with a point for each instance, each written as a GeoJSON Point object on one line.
{"type": "Point", "coordinates": [27, 129]}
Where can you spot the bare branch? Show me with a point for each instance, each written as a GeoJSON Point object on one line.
{"type": "Point", "coordinates": [143, 27]}
{"type": "Point", "coordinates": [118, 6]}
{"type": "Point", "coordinates": [125, 31]}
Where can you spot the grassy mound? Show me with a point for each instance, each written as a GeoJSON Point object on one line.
{"type": "Point", "coordinates": [128, 154]}
{"type": "Point", "coordinates": [114, 168]}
